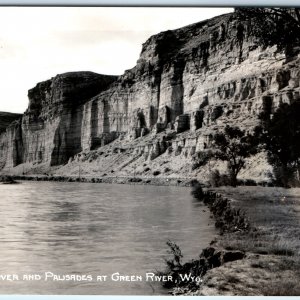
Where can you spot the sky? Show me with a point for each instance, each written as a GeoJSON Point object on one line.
{"type": "Point", "coordinates": [37, 43]}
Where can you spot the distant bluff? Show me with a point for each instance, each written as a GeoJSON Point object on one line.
{"type": "Point", "coordinates": [187, 84]}
{"type": "Point", "coordinates": [6, 119]}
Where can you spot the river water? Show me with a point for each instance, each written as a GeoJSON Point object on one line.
{"type": "Point", "coordinates": [52, 229]}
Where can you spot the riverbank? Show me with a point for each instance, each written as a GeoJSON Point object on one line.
{"type": "Point", "coordinates": [7, 180]}
{"type": "Point", "coordinates": [110, 179]}
{"type": "Point", "coordinates": [149, 180]}
{"type": "Point", "coordinates": [270, 242]}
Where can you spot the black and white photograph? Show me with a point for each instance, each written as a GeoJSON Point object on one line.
{"type": "Point", "coordinates": [150, 151]}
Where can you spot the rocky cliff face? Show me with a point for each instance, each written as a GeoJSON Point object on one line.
{"type": "Point", "coordinates": [6, 119]}
{"type": "Point", "coordinates": [187, 84]}
{"type": "Point", "coordinates": [50, 129]}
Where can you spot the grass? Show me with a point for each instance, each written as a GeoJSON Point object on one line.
{"type": "Point", "coordinates": [272, 212]}
{"type": "Point", "coordinates": [288, 287]}
{"type": "Point", "coordinates": [282, 247]}
{"type": "Point", "coordinates": [273, 245]}
{"type": "Point", "coordinates": [232, 279]}
{"type": "Point", "coordinates": [261, 243]}
{"type": "Point", "coordinates": [281, 265]}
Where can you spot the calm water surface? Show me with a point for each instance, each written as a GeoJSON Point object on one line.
{"type": "Point", "coordinates": [94, 229]}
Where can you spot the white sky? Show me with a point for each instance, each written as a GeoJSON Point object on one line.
{"type": "Point", "coordinates": [37, 43]}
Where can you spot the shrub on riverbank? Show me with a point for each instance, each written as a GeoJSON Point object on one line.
{"type": "Point", "coordinates": [7, 179]}
{"type": "Point", "coordinates": [227, 218]}
{"type": "Point", "coordinates": [197, 191]}
{"type": "Point", "coordinates": [216, 179]}
{"type": "Point", "coordinates": [135, 179]}
{"type": "Point", "coordinates": [188, 276]}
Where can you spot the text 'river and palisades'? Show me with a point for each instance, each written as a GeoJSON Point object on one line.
{"type": "Point", "coordinates": [116, 277]}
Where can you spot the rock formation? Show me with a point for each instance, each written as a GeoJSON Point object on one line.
{"type": "Point", "coordinates": [50, 129]}
{"type": "Point", "coordinates": [187, 84]}
{"type": "Point", "coordinates": [6, 119]}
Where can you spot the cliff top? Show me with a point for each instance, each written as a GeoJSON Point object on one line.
{"type": "Point", "coordinates": [74, 77]}
{"type": "Point", "coordinates": [70, 87]}
{"type": "Point", "coordinates": [182, 36]}
{"type": "Point", "coordinates": [6, 119]}
{"type": "Point", "coordinates": [204, 24]}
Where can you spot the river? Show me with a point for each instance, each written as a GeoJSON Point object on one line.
{"type": "Point", "coordinates": [49, 230]}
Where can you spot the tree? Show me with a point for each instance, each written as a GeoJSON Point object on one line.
{"type": "Point", "coordinates": [282, 139]}
{"type": "Point", "coordinates": [273, 26]}
{"type": "Point", "coordinates": [234, 146]}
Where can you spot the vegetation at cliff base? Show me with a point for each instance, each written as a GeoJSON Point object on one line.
{"type": "Point", "coordinates": [281, 135]}
{"type": "Point", "coordinates": [234, 146]}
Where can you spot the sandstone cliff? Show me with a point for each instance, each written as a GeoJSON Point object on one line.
{"type": "Point", "coordinates": [6, 119]}
{"type": "Point", "coordinates": [187, 84]}
{"type": "Point", "coordinates": [50, 129]}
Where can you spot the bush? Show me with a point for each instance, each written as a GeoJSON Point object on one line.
{"type": "Point", "coordinates": [216, 179]}
{"type": "Point", "coordinates": [174, 266]}
{"type": "Point", "coordinates": [135, 179]}
{"type": "Point", "coordinates": [282, 175]}
{"type": "Point", "coordinates": [194, 182]}
{"type": "Point", "coordinates": [197, 192]}
{"type": "Point", "coordinates": [155, 173]}
{"type": "Point", "coordinates": [7, 179]}
{"type": "Point", "coordinates": [250, 182]}
{"type": "Point", "coordinates": [285, 176]}
{"type": "Point", "coordinates": [175, 261]}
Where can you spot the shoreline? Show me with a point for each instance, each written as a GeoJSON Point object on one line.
{"type": "Point", "coordinates": [232, 265]}
{"type": "Point", "coordinates": [142, 180]}
{"type": "Point", "coordinates": [227, 219]}
{"type": "Point", "coordinates": [161, 181]}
